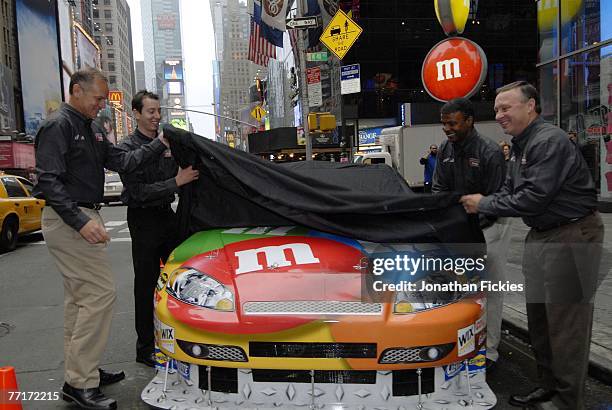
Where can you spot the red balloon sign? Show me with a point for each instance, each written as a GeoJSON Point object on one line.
{"type": "Point", "coordinates": [453, 68]}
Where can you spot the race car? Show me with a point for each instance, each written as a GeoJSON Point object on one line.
{"type": "Point", "coordinates": [280, 317]}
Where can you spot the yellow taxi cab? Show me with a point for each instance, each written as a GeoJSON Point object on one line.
{"type": "Point", "coordinates": [20, 212]}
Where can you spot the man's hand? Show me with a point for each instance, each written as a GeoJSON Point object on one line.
{"type": "Point", "coordinates": [163, 139]}
{"type": "Point", "coordinates": [94, 233]}
{"type": "Point", "coordinates": [186, 175]}
{"type": "Point", "coordinates": [470, 203]}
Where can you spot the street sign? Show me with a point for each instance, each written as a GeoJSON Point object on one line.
{"type": "Point", "coordinates": [258, 113]}
{"type": "Point", "coordinates": [350, 82]}
{"type": "Point", "coordinates": [303, 22]}
{"type": "Point", "coordinates": [340, 34]}
{"type": "Point", "coordinates": [318, 56]}
{"type": "Point", "coordinates": [315, 90]}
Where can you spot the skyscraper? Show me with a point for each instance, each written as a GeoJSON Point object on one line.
{"type": "Point", "coordinates": [233, 72]}
{"type": "Point", "coordinates": [112, 30]}
{"type": "Point", "coordinates": [163, 56]}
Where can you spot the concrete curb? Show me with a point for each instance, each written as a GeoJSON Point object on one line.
{"type": "Point", "coordinates": [600, 364]}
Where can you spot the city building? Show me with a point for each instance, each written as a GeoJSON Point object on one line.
{"type": "Point", "coordinates": [9, 70]}
{"type": "Point", "coordinates": [139, 73]}
{"type": "Point", "coordinates": [163, 57]}
{"type": "Point", "coordinates": [112, 32]}
{"type": "Point", "coordinates": [233, 72]}
{"type": "Point", "coordinates": [83, 13]}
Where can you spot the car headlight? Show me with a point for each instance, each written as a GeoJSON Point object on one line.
{"type": "Point", "coordinates": [417, 301]}
{"type": "Point", "coordinates": [194, 287]}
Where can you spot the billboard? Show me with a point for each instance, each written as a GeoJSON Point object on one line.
{"type": "Point", "coordinates": [115, 97]}
{"type": "Point", "coordinates": [88, 53]}
{"type": "Point", "coordinates": [41, 79]}
{"type": "Point", "coordinates": [7, 102]}
{"type": "Point", "coordinates": [175, 87]}
{"type": "Point", "coordinates": [173, 70]}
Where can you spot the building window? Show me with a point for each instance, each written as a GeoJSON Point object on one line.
{"type": "Point", "coordinates": [108, 14]}
{"type": "Point", "coordinates": [111, 66]}
{"type": "Point", "coordinates": [96, 13]}
{"type": "Point", "coordinates": [97, 39]}
{"type": "Point", "coordinates": [111, 54]}
{"type": "Point", "coordinates": [107, 2]}
{"type": "Point", "coordinates": [112, 80]}
{"type": "Point", "coordinates": [108, 26]}
{"type": "Point", "coordinates": [109, 40]}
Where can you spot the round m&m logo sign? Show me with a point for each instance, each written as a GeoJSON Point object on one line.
{"type": "Point", "coordinates": [453, 68]}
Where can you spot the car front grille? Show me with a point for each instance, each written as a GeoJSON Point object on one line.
{"type": "Point", "coordinates": [313, 350]}
{"type": "Point", "coordinates": [213, 352]}
{"type": "Point", "coordinates": [320, 376]}
{"type": "Point", "coordinates": [312, 308]}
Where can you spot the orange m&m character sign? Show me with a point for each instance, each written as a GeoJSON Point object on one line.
{"type": "Point", "coordinates": [453, 68]}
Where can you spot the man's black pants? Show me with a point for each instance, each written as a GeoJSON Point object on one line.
{"type": "Point", "coordinates": [153, 232]}
{"type": "Point", "coordinates": [561, 268]}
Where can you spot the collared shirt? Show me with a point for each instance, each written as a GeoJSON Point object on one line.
{"type": "Point", "coordinates": [474, 166]}
{"type": "Point", "coordinates": [548, 180]}
{"type": "Point", "coordinates": [153, 184]}
{"type": "Point", "coordinates": [71, 154]}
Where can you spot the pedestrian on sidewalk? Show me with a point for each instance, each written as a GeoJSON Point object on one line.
{"type": "Point", "coordinates": [149, 192]}
{"type": "Point", "coordinates": [429, 161]}
{"type": "Point", "coordinates": [71, 154]}
{"type": "Point", "coordinates": [549, 185]}
{"type": "Point", "coordinates": [471, 163]}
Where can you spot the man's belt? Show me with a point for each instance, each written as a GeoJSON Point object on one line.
{"type": "Point", "coordinates": [561, 223]}
{"type": "Point", "coordinates": [90, 205]}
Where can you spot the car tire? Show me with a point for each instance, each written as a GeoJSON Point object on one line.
{"type": "Point", "coordinates": [8, 235]}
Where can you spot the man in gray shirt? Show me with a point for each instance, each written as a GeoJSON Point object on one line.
{"type": "Point", "coordinates": [549, 185]}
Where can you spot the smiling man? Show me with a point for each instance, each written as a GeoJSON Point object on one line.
{"type": "Point", "coordinates": [470, 163]}
{"type": "Point", "coordinates": [549, 185]}
{"type": "Point", "coordinates": [71, 154]}
{"type": "Point", "coordinates": [148, 193]}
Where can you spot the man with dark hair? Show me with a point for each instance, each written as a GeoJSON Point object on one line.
{"type": "Point", "coordinates": [470, 163]}
{"type": "Point", "coordinates": [71, 154]}
{"type": "Point", "coordinates": [550, 187]}
{"type": "Point", "coordinates": [148, 192]}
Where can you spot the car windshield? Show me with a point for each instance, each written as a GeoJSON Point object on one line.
{"type": "Point", "coordinates": [112, 178]}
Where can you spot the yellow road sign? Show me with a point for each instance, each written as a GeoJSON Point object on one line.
{"type": "Point", "coordinates": [340, 34]}
{"type": "Point", "coordinates": [258, 113]}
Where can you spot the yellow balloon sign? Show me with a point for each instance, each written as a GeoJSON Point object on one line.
{"type": "Point", "coordinates": [548, 9]}
{"type": "Point", "coordinates": [452, 15]}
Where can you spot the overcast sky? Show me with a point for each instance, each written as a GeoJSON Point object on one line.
{"type": "Point", "coordinates": [198, 54]}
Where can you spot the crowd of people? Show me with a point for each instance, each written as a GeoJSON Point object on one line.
{"type": "Point", "coordinates": [541, 178]}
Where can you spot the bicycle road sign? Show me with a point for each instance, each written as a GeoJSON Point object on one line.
{"type": "Point", "coordinates": [340, 34]}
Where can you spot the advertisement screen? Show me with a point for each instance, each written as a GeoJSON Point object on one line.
{"type": "Point", "coordinates": [173, 70]}
{"type": "Point", "coordinates": [39, 61]}
{"type": "Point", "coordinates": [175, 87]}
{"type": "Point", "coordinates": [88, 54]}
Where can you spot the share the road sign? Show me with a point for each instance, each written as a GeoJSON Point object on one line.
{"type": "Point", "coordinates": [258, 113]}
{"type": "Point", "coordinates": [340, 34]}
{"type": "Point", "coordinates": [303, 22]}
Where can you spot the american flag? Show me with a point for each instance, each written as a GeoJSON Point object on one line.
{"type": "Point", "coordinates": [260, 49]}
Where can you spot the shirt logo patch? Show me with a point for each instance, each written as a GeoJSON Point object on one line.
{"type": "Point", "coordinates": [523, 161]}
{"type": "Point", "coordinates": [513, 158]}
{"type": "Point", "coordinates": [99, 137]}
{"type": "Point", "coordinates": [79, 138]}
{"type": "Point", "coordinates": [474, 162]}
{"type": "Point", "coordinates": [449, 159]}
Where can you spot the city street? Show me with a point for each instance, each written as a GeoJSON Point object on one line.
{"type": "Point", "coordinates": [31, 327]}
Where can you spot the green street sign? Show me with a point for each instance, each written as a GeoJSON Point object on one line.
{"type": "Point", "coordinates": [320, 56]}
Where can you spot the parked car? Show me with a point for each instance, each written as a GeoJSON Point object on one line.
{"type": "Point", "coordinates": [273, 317]}
{"type": "Point", "coordinates": [20, 212]}
{"type": "Point", "coordinates": [112, 187]}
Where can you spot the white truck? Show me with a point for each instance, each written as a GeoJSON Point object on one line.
{"type": "Point", "coordinates": [403, 147]}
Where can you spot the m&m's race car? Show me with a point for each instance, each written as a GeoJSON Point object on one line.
{"type": "Point", "coordinates": [282, 315]}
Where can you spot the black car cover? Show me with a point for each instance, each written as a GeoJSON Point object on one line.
{"type": "Point", "coordinates": [367, 202]}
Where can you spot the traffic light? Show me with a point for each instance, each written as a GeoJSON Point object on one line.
{"type": "Point", "coordinates": [321, 121]}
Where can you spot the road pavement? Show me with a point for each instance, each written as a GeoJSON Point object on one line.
{"type": "Point", "coordinates": [31, 312]}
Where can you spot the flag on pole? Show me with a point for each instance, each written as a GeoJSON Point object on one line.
{"type": "Point", "coordinates": [271, 34]}
{"type": "Point", "coordinates": [274, 12]}
{"type": "Point", "coordinates": [260, 49]}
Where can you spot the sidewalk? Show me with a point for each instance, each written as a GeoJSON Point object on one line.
{"type": "Point", "coordinates": [515, 316]}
